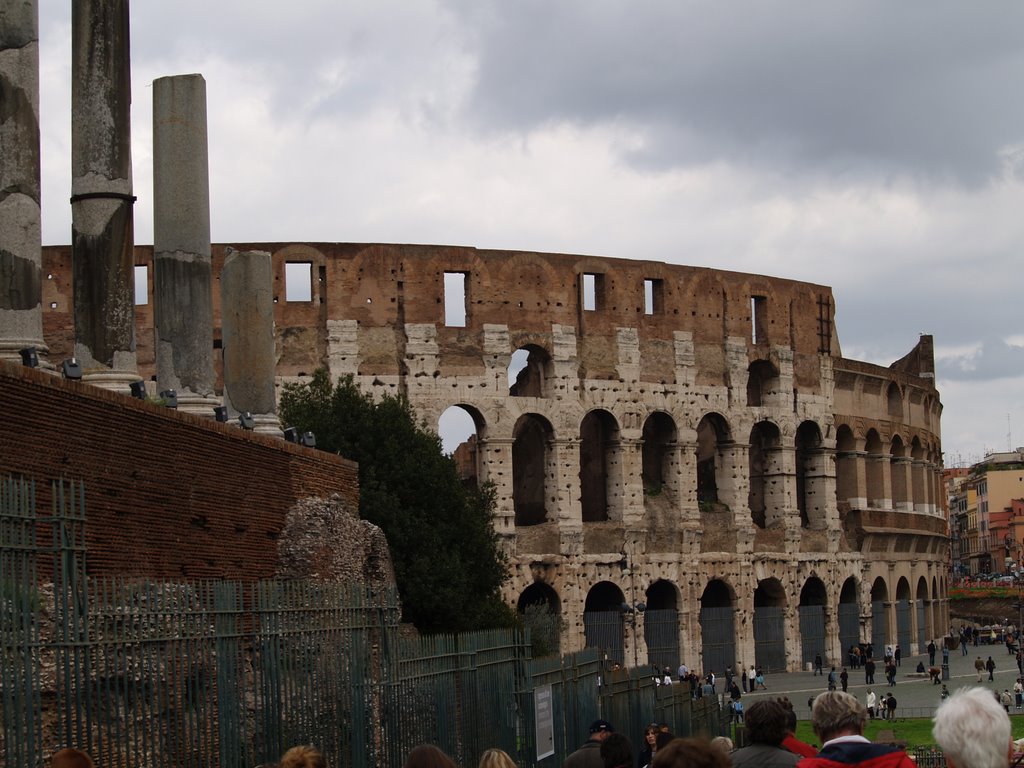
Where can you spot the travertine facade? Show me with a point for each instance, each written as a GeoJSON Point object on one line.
{"type": "Point", "coordinates": [687, 438]}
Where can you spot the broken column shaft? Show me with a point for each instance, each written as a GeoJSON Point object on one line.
{"type": "Point", "coordinates": [101, 193]}
{"type": "Point", "coordinates": [181, 243]}
{"type": "Point", "coordinates": [21, 318]}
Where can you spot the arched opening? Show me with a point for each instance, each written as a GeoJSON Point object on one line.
{"type": "Point", "coordinates": [875, 473]}
{"type": "Point", "coordinates": [712, 435]}
{"type": "Point", "coordinates": [898, 472]}
{"type": "Point", "coordinates": [904, 633]}
{"type": "Point", "coordinates": [810, 476]}
{"type": "Point", "coordinates": [813, 620]}
{"type": "Point", "coordinates": [919, 497]}
{"type": "Point", "coordinates": [767, 490]}
{"type": "Point", "coordinates": [846, 469]}
{"type": "Point", "coordinates": [879, 616]}
{"type": "Point", "coordinates": [659, 434]}
{"type": "Point", "coordinates": [541, 612]}
{"type": "Point", "coordinates": [717, 627]}
{"type": "Point", "coordinates": [894, 402]}
{"type": "Point", "coordinates": [924, 619]}
{"type": "Point", "coordinates": [762, 381]}
{"type": "Point", "coordinates": [460, 428]}
{"type": "Point", "coordinates": [849, 615]}
{"type": "Point", "coordinates": [529, 371]}
{"type": "Point", "coordinates": [603, 623]}
{"type": "Point", "coordinates": [599, 437]}
{"type": "Point", "coordinates": [770, 625]}
{"type": "Point", "coordinates": [530, 459]}
{"type": "Point", "coordinates": [661, 625]}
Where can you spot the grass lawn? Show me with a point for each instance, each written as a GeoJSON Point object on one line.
{"type": "Point", "coordinates": [917, 732]}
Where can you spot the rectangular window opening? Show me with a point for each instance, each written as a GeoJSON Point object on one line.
{"type": "Point", "coordinates": [455, 299]}
{"type": "Point", "coordinates": [592, 288]}
{"type": "Point", "coordinates": [141, 285]}
{"type": "Point", "coordinates": [298, 281]}
{"type": "Point", "coordinates": [654, 300]}
{"type": "Point", "coordinates": [758, 319]}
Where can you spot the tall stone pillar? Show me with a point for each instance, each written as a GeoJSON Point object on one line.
{"type": "Point", "coordinates": [496, 467]}
{"type": "Point", "coordinates": [247, 330]}
{"type": "Point", "coordinates": [181, 243]}
{"type": "Point", "coordinates": [101, 193]}
{"type": "Point", "coordinates": [21, 317]}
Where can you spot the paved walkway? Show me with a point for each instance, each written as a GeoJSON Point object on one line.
{"type": "Point", "coordinates": [916, 695]}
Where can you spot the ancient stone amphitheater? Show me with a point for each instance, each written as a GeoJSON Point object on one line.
{"type": "Point", "coordinates": [687, 468]}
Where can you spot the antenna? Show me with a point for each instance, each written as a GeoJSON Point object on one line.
{"type": "Point", "coordinates": [1009, 434]}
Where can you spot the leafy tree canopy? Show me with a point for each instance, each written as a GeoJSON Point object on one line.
{"type": "Point", "coordinates": [447, 561]}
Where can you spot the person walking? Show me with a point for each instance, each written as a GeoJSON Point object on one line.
{"type": "Point", "coordinates": [990, 665]}
{"type": "Point", "coordinates": [817, 664]}
{"type": "Point", "coordinates": [1018, 693]}
{"type": "Point", "coordinates": [890, 705]}
{"type": "Point", "coordinates": [897, 655]}
{"type": "Point", "coordinates": [752, 677]}
{"type": "Point", "coordinates": [832, 679]}
{"type": "Point", "coordinates": [869, 671]}
{"type": "Point", "coordinates": [844, 679]}
{"type": "Point", "coordinates": [979, 667]}
{"type": "Point", "coordinates": [871, 700]}
{"type": "Point", "coordinates": [759, 679]}
{"type": "Point", "coordinates": [931, 653]}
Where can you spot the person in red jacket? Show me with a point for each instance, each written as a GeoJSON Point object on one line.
{"type": "Point", "coordinates": [838, 719]}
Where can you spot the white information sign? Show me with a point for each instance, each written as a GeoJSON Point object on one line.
{"type": "Point", "coordinates": [544, 719]}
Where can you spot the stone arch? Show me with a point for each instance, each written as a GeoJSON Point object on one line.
{"type": "Point", "coordinates": [879, 615]}
{"type": "Point", "coordinates": [529, 372]}
{"type": "Point", "coordinates": [813, 620]}
{"type": "Point", "coordinates": [894, 401]}
{"type": "Point", "coordinates": [898, 472]}
{"type": "Point", "coordinates": [599, 449]}
{"type": "Point", "coordinates": [762, 381]}
{"type": "Point", "coordinates": [659, 435]}
{"type": "Point", "coordinates": [603, 624]}
{"type": "Point", "coordinates": [849, 614]}
{"type": "Point", "coordinates": [846, 469]}
{"type": "Point", "coordinates": [770, 625]}
{"type": "Point", "coordinates": [810, 476]}
{"type": "Point", "coordinates": [717, 626]}
{"type": "Point", "coordinates": [712, 436]}
{"type": "Point", "coordinates": [924, 618]}
{"type": "Point", "coordinates": [875, 472]}
{"type": "Point", "coordinates": [661, 625]}
{"type": "Point", "coordinates": [767, 491]}
{"type": "Point", "coordinates": [541, 610]}
{"type": "Point", "coordinates": [531, 459]}
{"type": "Point", "coordinates": [904, 623]}
{"type": "Point", "coordinates": [461, 428]}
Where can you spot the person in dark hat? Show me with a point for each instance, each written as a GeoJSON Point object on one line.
{"type": "Point", "coordinates": [589, 755]}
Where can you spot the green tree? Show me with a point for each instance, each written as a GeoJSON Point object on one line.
{"type": "Point", "coordinates": [447, 561]}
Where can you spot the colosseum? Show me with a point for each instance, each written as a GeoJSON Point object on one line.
{"type": "Point", "coordinates": [687, 468]}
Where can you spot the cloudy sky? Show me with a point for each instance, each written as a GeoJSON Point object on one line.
{"type": "Point", "coordinates": [874, 146]}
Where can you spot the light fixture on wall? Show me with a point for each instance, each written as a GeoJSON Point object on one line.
{"type": "Point", "coordinates": [246, 421]}
{"type": "Point", "coordinates": [170, 398]}
{"type": "Point", "coordinates": [29, 357]}
{"type": "Point", "coordinates": [220, 413]}
{"type": "Point", "coordinates": [138, 389]}
{"type": "Point", "coordinates": [309, 439]}
{"type": "Point", "coordinates": [71, 369]}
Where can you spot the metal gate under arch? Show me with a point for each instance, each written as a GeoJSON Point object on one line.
{"type": "Point", "coordinates": [879, 627]}
{"type": "Point", "coordinates": [604, 629]}
{"type": "Point", "coordinates": [922, 627]}
{"type": "Point", "coordinates": [903, 627]}
{"type": "Point", "coordinates": [849, 626]}
{"type": "Point", "coordinates": [770, 638]}
{"type": "Point", "coordinates": [812, 632]}
{"type": "Point", "coordinates": [661, 633]}
{"type": "Point", "coordinates": [718, 638]}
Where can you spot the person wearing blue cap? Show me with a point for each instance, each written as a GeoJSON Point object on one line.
{"type": "Point", "coordinates": [589, 755]}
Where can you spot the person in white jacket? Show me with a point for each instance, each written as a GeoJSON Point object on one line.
{"type": "Point", "coordinates": [872, 701]}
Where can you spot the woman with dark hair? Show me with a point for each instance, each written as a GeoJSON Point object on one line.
{"type": "Point", "coordinates": [428, 756]}
{"type": "Point", "coordinates": [650, 745]}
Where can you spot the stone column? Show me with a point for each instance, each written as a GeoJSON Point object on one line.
{"type": "Point", "coordinates": [496, 466]}
{"type": "Point", "coordinates": [21, 317]}
{"type": "Point", "coordinates": [101, 193]}
{"type": "Point", "coordinates": [247, 329]}
{"type": "Point", "coordinates": [183, 301]}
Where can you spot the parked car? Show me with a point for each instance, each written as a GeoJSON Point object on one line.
{"type": "Point", "coordinates": [1003, 580]}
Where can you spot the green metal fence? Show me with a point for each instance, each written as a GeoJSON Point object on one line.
{"type": "Point", "coordinates": [216, 673]}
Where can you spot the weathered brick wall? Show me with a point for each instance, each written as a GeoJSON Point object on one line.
{"type": "Point", "coordinates": [168, 494]}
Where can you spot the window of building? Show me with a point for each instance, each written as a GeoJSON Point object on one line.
{"type": "Point", "coordinates": [758, 319]}
{"type": "Point", "coordinates": [141, 285]}
{"type": "Point", "coordinates": [455, 308]}
{"type": "Point", "coordinates": [592, 288]}
{"type": "Point", "coordinates": [298, 281]}
{"type": "Point", "coordinates": [653, 297]}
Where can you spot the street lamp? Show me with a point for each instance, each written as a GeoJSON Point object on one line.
{"type": "Point", "coordinates": [631, 614]}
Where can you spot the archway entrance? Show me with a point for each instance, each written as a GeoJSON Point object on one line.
{"type": "Point", "coordinates": [770, 626]}
{"type": "Point", "coordinates": [602, 620]}
{"type": "Point", "coordinates": [717, 627]}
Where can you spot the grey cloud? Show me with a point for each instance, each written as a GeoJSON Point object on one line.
{"type": "Point", "coordinates": [995, 360]}
{"type": "Point", "coordinates": [926, 88]}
